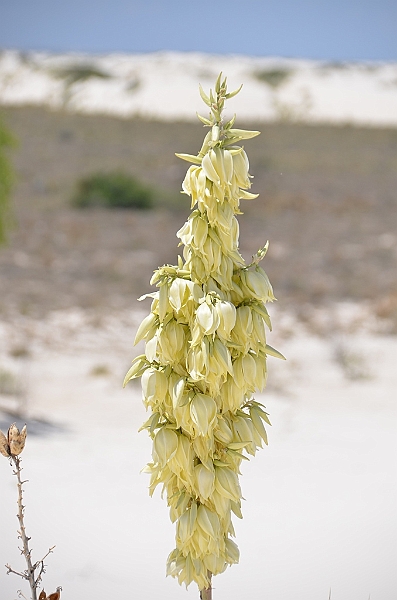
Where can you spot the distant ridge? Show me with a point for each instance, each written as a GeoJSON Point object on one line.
{"type": "Point", "coordinates": [164, 85]}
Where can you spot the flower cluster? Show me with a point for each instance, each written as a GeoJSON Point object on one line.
{"type": "Point", "coordinates": [205, 356]}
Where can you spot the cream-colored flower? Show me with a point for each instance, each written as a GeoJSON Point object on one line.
{"type": "Point", "coordinates": [205, 356]}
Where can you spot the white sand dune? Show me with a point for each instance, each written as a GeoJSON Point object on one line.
{"type": "Point", "coordinates": [164, 85]}
{"type": "Point", "coordinates": [320, 508]}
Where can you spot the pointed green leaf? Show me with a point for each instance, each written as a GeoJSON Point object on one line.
{"type": "Point", "coordinates": [144, 328]}
{"type": "Point", "coordinates": [218, 83]}
{"type": "Point", "coordinates": [139, 365]}
{"type": "Point", "coordinates": [219, 463]}
{"type": "Point", "coordinates": [189, 158]}
{"type": "Point", "coordinates": [232, 94]}
{"type": "Point", "coordinates": [257, 421]}
{"type": "Point", "coordinates": [244, 195]}
{"type": "Point", "coordinates": [274, 352]}
{"type": "Point", "coordinates": [204, 120]}
{"type": "Point", "coordinates": [237, 445]}
{"type": "Point", "coordinates": [238, 454]}
{"type": "Point", "coordinates": [204, 96]}
{"type": "Point", "coordinates": [243, 134]}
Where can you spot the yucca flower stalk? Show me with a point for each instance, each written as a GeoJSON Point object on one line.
{"type": "Point", "coordinates": [205, 356]}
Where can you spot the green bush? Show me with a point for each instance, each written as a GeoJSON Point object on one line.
{"type": "Point", "coordinates": [273, 77]}
{"type": "Point", "coordinates": [112, 190]}
{"type": "Point", "coordinates": [73, 73]}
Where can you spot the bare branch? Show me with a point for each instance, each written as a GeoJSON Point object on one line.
{"type": "Point", "coordinates": [11, 570]}
{"type": "Point", "coordinates": [42, 566]}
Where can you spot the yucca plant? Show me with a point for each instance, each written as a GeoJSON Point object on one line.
{"type": "Point", "coordinates": [205, 356]}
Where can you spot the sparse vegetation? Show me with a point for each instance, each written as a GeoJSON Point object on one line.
{"type": "Point", "coordinates": [82, 72]}
{"type": "Point", "coordinates": [133, 85]}
{"type": "Point", "coordinates": [273, 77]}
{"type": "Point", "coordinates": [19, 351]}
{"type": "Point", "coordinates": [9, 384]}
{"type": "Point", "coordinates": [112, 190]}
{"type": "Point", "coordinates": [321, 188]}
{"type": "Point", "coordinates": [100, 371]}
{"type": "Point", "coordinates": [352, 362]}
{"type": "Point", "coordinates": [77, 73]}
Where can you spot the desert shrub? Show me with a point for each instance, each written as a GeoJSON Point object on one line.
{"type": "Point", "coordinates": [73, 73]}
{"type": "Point", "coordinates": [273, 77]}
{"type": "Point", "coordinates": [133, 85]}
{"type": "Point", "coordinates": [112, 190]}
{"type": "Point", "coordinates": [8, 383]}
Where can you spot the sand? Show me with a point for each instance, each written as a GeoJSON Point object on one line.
{"type": "Point", "coordinates": [164, 85]}
{"type": "Point", "coordinates": [320, 499]}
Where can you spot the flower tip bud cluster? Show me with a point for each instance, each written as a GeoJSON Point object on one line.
{"type": "Point", "coordinates": [13, 444]}
{"type": "Point", "coordinates": [205, 356]}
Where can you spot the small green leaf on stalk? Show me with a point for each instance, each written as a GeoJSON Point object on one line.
{"type": "Point", "coordinates": [232, 94]}
{"type": "Point", "coordinates": [244, 195]}
{"type": "Point", "coordinates": [236, 509]}
{"type": "Point", "coordinates": [220, 463]}
{"type": "Point", "coordinates": [151, 423]}
{"type": "Point", "coordinates": [243, 134]}
{"type": "Point", "coordinates": [263, 415]}
{"type": "Point", "coordinates": [273, 352]}
{"type": "Point", "coordinates": [261, 310]}
{"type": "Point", "coordinates": [154, 422]}
{"type": "Point", "coordinates": [218, 83]}
{"type": "Point", "coordinates": [204, 120]}
{"type": "Point", "coordinates": [260, 255]}
{"type": "Point", "coordinates": [144, 296]}
{"type": "Point", "coordinates": [138, 366]}
{"type": "Point", "coordinates": [180, 499]}
{"type": "Point", "coordinates": [230, 123]}
{"type": "Point", "coordinates": [189, 158]}
{"type": "Point", "coordinates": [144, 328]}
{"type": "Point", "coordinates": [241, 413]}
{"type": "Point", "coordinates": [235, 453]}
{"type": "Point", "coordinates": [259, 406]}
{"type": "Point", "coordinates": [163, 300]}
{"type": "Point", "coordinates": [257, 422]}
{"type": "Point", "coordinates": [237, 445]}
{"type": "Point", "coordinates": [204, 96]}
{"type": "Point", "coordinates": [185, 399]}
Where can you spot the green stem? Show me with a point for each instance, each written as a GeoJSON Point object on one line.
{"type": "Point", "coordinates": [206, 594]}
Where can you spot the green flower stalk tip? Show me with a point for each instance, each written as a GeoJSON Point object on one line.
{"type": "Point", "coordinates": [205, 356]}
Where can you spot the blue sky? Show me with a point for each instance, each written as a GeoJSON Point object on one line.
{"type": "Point", "coordinates": [319, 29]}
